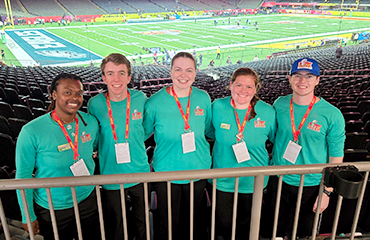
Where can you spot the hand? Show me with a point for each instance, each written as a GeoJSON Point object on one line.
{"type": "Point", "coordinates": [95, 154]}
{"type": "Point", "coordinates": [324, 203]}
{"type": "Point", "coordinates": [35, 227]}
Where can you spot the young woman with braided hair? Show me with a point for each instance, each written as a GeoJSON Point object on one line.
{"type": "Point", "coordinates": [60, 144]}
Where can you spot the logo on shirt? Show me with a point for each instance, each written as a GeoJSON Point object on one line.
{"type": "Point", "coordinates": [259, 124]}
{"type": "Point", "coordinates": [314, 126]}
{"type": "Point", "coordinates": [136, 115]}
{"type": "Point", "coordinates": [198, 111]}
{"type": "Point", "coordinates": [225, 126]}
{"type": "Point", "coordinates": [85, 137]}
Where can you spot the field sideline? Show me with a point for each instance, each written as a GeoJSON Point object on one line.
{"type": "Point", "coordinates": [275, 33]}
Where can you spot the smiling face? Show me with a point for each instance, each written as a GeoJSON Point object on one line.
{"type": "Point", "coordinates": [183, 73]}
{"type": "Point", "coordinates": [243, 90]}
{"type": "Point", "coordinates": [303, 83]}
{"type": "Point", "coordinates": [68, 97]}
{"type": "Point", "coordinates": [116, 76]}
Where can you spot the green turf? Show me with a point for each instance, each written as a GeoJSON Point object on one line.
{"type": "Point", "coordinates": [204, 36]}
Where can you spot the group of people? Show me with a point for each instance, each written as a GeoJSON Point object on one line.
{"type": "Point", "coordinates": [305, 129]}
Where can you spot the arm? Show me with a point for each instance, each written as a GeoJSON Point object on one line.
{"type": "Point", "coordinates": [148, 122]}
{"type": "Point", "coordinates": [25, 163]}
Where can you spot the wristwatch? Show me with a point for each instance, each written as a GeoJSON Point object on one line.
{"type": "Point", "coordinates": [327, 192]}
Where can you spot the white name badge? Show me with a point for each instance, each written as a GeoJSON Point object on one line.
{"type": "Point", "coordinates": [292, 151]}
{"type": "Point", "coordinates": [79, 168]}
{"type": "Point", "coordinates": [122, 153]}
{"type": "Point", "coordinates": [188, 142]}
{"type": "Point", "coordinates": [241, 152]}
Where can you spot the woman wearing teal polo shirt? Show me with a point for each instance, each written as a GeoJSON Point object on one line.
{"type": "Point", "coordinates": [179, 116]}
{"type": "Point", "coordinates": [60, 144]}
{"type": "Point", "coordinates": [243, 123]}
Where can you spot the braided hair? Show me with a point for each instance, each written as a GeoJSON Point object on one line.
{"type": "Point", "coordinates": [54, 84]}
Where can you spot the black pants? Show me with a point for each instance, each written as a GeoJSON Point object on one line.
{"type": "Point", "coordinates": [113, 216]}
{"type": "Point", "coordinates": [224, 211]}
{"type": "Point", "coordinates": [180, 204]}
{"type": "Point", "coordinates": [66, 221]}
{"type": "Point", "coordinates": [287, 209]}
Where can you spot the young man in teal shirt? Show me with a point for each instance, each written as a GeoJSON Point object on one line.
{"type": "Point", "coordinates": [121, 145]}
{"type": "Point", "coordinates": [310, 131]}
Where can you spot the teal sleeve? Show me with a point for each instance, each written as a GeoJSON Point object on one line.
{"type": "Point", "coordinates": [25, 160]}
{"type": "Point", "coordinates": [148, 122]}
{"type": "Point", "coordinates": [336, 136]}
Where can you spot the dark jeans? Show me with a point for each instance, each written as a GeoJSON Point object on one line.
{"type": "Point", "coordinates": [66, 221]}
{"type": "Point", "coordinates": [180, 204]}
{"type": "Point", "coordinates": [224, 211]}
{"type": "Point", "coordinates": [113, 216]}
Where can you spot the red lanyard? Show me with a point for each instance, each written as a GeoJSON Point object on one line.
{"type": "Point", "coordinates": [241, 127]}
{"type": "Point", "coordinates": [73, 146]}
{"type": "Point", "coordinates": [185, 117]}
{"type": "Point", "coordinates": [127, 117]}
{"type": "Point", "coordinates": [296, 132]}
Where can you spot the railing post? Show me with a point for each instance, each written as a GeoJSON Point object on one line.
{"type": "Point", "coordinates": [256, 207]}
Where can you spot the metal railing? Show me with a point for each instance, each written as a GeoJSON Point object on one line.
{"type": "Point", "coordinates": [146, 178]}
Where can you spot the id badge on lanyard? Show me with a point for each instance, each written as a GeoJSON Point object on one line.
{"type": "Point", "coordinates": [188, 142]}
{"type": "Point", "coordinates": [292, 151]}
{"type": "Point", "coordinates": [122, 152]}
{"type": "Point", "coordinates": [241, 152]}
{"type": "Point", "coordinates": [240, 148]}
{"type": "Point", "coordinates": [122, 149]}
{"type": "Point", "coordinates": [187, 138]}
{"type": "Point", "coordinates": [79, 168]}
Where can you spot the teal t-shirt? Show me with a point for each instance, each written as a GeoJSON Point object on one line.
{"type": "Point", "coordinates": [163, 117]}
{"type": "Point", "coordinates": [43, 149]}
{"type": "Point", "coordinates": [256, 132]}
{"type": "Point", "coordinates": [322, 135]}
{"type": "Point", "coordinates": [97, 107]}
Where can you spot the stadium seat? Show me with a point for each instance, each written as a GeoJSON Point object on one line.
{"type": "Point", "coordinates": [365, 117]}
{"type": "Point", "coordinates": [3, 95]}
{"type": "Point", "coordinates": [364, 106]}
{"type": "Point", "coordinates": [355, 140]}
{"type": "Point", "coordinates": [24, 90]}
{"type": "Point", "coordinates": [348, 116]}
{"type": "Point", "coordinates": [345, 109]}
{"type": "Point", "coordinates": [35, 103]}
{"type": "Point", "coordinates": [347, 103]}
{"type": "Point", "coordinates": [37, 112]}
{"type": "Point", "coordinates": [355, 155]}
{"type": "Point", "coordinates": [12, 96]}
{"type": "Point", "coordinates": [7, 149]}
{"type": "Point", "coordinates": [354, 126]}
{"type": "Point", "coordinates": [6, 110]}
{"type": "Point", "coordinates": [17, 125]}
{"type": "Point", "coordinates": [5, 127]}
{"type": "Point", "coordinates": [37, 93]}
{"type": "Point", "coordinates": [22, 112]}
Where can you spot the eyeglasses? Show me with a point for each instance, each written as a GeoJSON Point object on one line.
{"type": "Point", "coordinates": [307, 77]}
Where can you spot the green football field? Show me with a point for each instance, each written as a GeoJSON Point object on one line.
{"type": "Point", "coordinates": [275, 33]}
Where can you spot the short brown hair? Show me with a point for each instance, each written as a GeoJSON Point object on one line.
{"type": "Point", "coordinates": [115, 58]}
